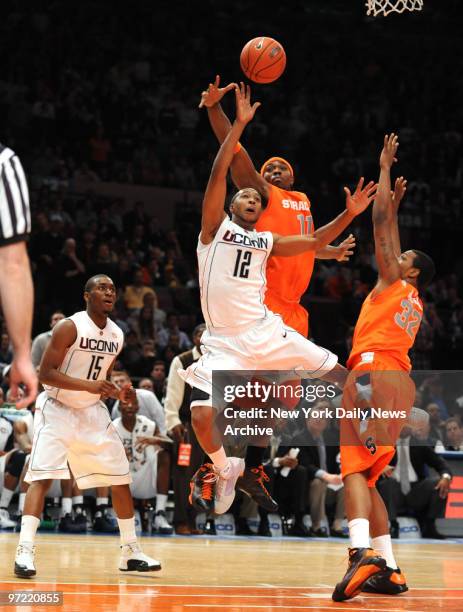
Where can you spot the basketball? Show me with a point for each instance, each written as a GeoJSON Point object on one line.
{"type": "Point", "coordinates": [263, 60]}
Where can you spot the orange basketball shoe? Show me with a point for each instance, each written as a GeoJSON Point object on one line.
{"type": "Point", "coordinates": [363, 564]}
{"type": "Point", "coordinates": [387, 582]}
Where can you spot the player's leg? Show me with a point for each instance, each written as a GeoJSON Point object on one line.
{"type": "Point", "coordinates": [160, 473]}
{"type": "Point", "coordinates": [364, 562]}
{"type": "Point", "coordinates": [13, 467]}
{"type": "Point", "coordinates": [101, 521]}
{"type": "Point", "coordinates": [97, 458]}
{"type": "Point", "coordinates": [48, 462]}
{"type": "Point", "coordinates": [389, 581]}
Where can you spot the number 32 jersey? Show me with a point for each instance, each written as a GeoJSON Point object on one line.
{"type": "Point", "coordinates": [388, 323]}
{"type": "Point", "coordinates": [89, 358]}
{"type": "Point", "coordinates": [232, 276]}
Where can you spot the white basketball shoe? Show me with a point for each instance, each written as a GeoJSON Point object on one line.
{"type": "Point", "coordinates": [134, 560]}
{"type": "Point", "coordinates": [5, 521]}
{"type": "Point", "coordinates": [226, 481]}
{"type": "Point", "coordinates": [24, 562]}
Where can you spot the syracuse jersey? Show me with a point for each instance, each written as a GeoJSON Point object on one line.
{"type": "Point", "coordinates": [388, 324]}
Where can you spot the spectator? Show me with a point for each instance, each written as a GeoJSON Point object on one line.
{"type": "Point", "coordinates": [134, 294]}
{"type": "Point", "coordinates": [144, 364]}
{"type": "Point", "coordinates": [148, 453]}
{"type": "Point", "coordinates": [70, 276]}
{"type": "Point", "coordinates": [435, 423]}
{"type": "Point", "coordinates": [453, 435]}
{"type": "Point", "coordinates": [147, 384]}
{"type": "Point", "coordinates": [148, 404]}
{"type": "Point", "coordinates": [172, 330]}
{"type": "Point", "coordinates": [178, 422]}
{"type": "Point", "coordinates": [158, 376]}
{"type": "Point", "coordinates": [41, 341]}
{"type": "Point", "coordinates": [406, 486]}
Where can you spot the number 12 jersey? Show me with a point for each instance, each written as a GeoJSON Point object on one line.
{"type": "Point", "coordinates": [232, 275]}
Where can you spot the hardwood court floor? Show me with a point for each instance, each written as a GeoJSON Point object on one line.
{"type": "Point", "coordinates": [227, 574]}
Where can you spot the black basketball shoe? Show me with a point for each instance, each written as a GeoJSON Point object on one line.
{"type": "Point", "coordinates": [202, 488]}
{"type": "Point", "coordinates": [388, 582]}
{"type": "Point", "coordinates": [252, 483]}
{"type": "Point", "coordinates": [363, 564]}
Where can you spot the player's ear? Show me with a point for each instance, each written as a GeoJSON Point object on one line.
{"type": "Point", "coordinates": [86, 296]}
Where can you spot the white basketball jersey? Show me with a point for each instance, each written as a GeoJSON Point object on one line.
{"type": "Point", "coordinates": [232, 276]}
{"type": "Point", "coordinates": [136, 454]}
{"type": "Point", "coordinates": [90, 358]}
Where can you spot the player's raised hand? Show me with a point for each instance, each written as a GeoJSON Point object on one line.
{"type": "Point", "coordinates": [400, 188]}
{"type": "Point", "coordinates": [214, 93]}
{"type": "Point", "coordinates": [244, 109]}
{"type": "Point", "coordinates": [388, 154]}
{"type": "Point", "coordinates": [362, 197]}
{"type": "Point", "coordinates": [346, 248]}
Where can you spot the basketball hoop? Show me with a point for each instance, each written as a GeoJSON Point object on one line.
{"type": "Point", "coordinates": [384, 7]}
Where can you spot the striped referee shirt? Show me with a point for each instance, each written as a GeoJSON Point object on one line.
{"type": "Point", "coordinates": [15, 216]}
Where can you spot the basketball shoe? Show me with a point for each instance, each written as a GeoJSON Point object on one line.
{"type": "Point", "coordinates": [161, 525]}
{"type": "Point", "coordinates": [5, 520]}
{"type": "Point", "coordinates": [134, 560]}
{"type": "Point", "coordinates": [252, 483]}
{"type": "Point", "coordinates": [202, 488]}
{"type": "Point", "coordinates": [363, 564]}
{"type": "Point", "coordinates": [24, 561]}
{"type": "Point", "coordinates": [387, 582]}
{"type": "Point", "coordinates": [226, 481]}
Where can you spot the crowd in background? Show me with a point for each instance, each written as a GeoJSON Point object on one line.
{"type": "Point", "coordinates": [87, 95]}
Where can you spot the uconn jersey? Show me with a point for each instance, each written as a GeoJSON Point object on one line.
{"type": "Point", "coordinates": [89, 357]}
{"type": "Point", "coordinates": [232, 275]}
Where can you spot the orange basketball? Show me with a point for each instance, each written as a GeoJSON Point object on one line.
{"type": "Point", "coordinates": [263, 59]}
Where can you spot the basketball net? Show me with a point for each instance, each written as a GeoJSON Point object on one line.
{"type": "Point", "coordinates": [384, 7]}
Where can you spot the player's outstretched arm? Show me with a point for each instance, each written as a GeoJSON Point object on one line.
{"type": "Point", "coordinates": [341, 253]}
{"type": "Point", "coordinates": [356, 203]}
{"type": "Point", "coordinates": [214, 199]}
{"type": "Point", "coordinates": [63, 336]}
{"type": "Point", "coordinates": [386, 258]}
{"type": "Point", "coordinates": [397, 195]}
{"type": "Point", "coordinates": [243, 171]}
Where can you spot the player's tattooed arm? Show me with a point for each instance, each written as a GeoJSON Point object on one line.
{"type": "Point", "coordinates": [214, 199]}
{"type": "Point", "coordinates": [63, 336]}
{"type": "Point", "coordinates": [243, 171]}
{"type": "Point", "coordinates": [388, 265]}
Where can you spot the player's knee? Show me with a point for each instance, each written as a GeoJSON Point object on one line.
{"type": "Point", "coordinates": [16, 464]}
{"type": "Point", "coordinates": [201, 417]}
{"type": "Point", "coordinates": [41, 485]}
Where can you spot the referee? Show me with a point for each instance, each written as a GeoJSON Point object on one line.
{"type": "Point", "coordinates": [16, 289]}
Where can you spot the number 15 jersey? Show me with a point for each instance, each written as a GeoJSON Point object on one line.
{"type": "Point", "coordinates": [232, 275]}
{"type": "Point", "coordinates": [89, 358]}
{"type": "Point", "coordinates": [388, 323]}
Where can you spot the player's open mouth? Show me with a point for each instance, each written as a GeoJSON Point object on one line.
{"type": "Point", "coordinates": [274, 179]}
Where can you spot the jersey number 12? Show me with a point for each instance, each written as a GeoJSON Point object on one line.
{"type": "Point", "coordinates": [242, 263]}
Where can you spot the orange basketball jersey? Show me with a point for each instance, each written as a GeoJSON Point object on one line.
{"type": "Point", "coordinates": [388, 323]}
{"type": "Point", "coordinates": [288, 213]}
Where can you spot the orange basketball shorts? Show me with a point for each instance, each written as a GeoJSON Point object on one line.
{"type": "Point", "coordinates": [368, 442]}
{"type": "Point", "coordinates": [293, 314]}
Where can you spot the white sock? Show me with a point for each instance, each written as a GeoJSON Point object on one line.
{"type": "Point", "coordinates": [383, 545]}
{"type": "Point", "coordinates": [127, 529]}
{"type": "Point", "coordinates": [219, 458]}
{"type": "Point", "coordinates": [359, 532]}
{"type": "Point", "coordinates": [5, 498]}
{"type": "Point", "coordinates": [66, 505]}
{"type": "Point", "coordinates": [77, 499]}
{"type": "Point", "coordinates": [29, 525]}
{"type": "Point", "coordinates": [102, 501]}
{"type": "Point", "coordinates": [22, 499]}
{"type": "Point", "coordinates": [161, 501]}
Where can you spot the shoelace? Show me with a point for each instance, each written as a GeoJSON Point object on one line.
{"type": "Point", "coordinates": [24, 549]}
{"type": "Point", "coordinates": [261, 478]}
{"type": "Point", "coordinates": [206, 486]}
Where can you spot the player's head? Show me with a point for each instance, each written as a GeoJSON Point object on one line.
{"type": "Point", "coordinates": [278, 172]}
{"type": "Point", "coordinates": [246, 206]}
{"type": "Point", "coordinates": [100, 294]}
{"type": "Point", "coordinates": [417, 268]}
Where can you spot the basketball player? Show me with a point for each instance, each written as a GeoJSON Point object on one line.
{"type": "Point", "coordinates": [287, 212]}
{"type": "Point", "coordinates": [242, 334]}
{"type": "Point", "coordinates": [385, 331]}
{"type": "Point", "coordinates": [72, 426]}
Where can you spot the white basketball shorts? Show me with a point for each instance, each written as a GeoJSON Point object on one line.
{"type": "Point", "coordinates": [268, 344]}
{"type": "Point", "coordinates": [143, 484]}
{"type": "Point", "coordinates": [84, 438]}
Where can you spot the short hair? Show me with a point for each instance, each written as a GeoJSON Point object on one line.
{"type": "Point", "coordinates": [92, 281]}
{"type": "Point", "coordinates": [120, 373]}
{"type": "Point", "coordinates": [453, 420]}
{"type": "Point", "coordinates": [199, 328]}
{"type": "Point", "coordinates": [159, 362]}
{"type": "Point", "coordinates": [426, 267]}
